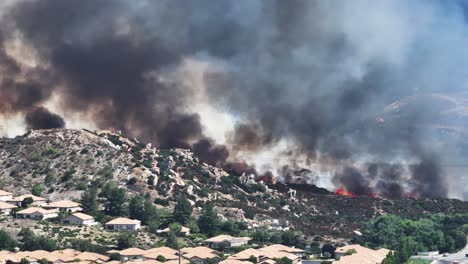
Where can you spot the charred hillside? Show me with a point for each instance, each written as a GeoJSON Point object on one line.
{"type": "Point", "coordinates": [66, 162]}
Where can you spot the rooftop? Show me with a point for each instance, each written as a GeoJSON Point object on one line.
{"type": "Point", "coordinates": [222, 238]}
{"type": "Point", "coordinates": [123, 221]}
{"type": "Point", "coordinates": [22, 197]}
{"type": "Point", "coordinates": [132, 252]}
{"type": "Point", "coordinates": [62, 204]}
{"type": "Point", "coordinates": [83, 216]}
{"type": "Point", "coordinates": [4, 206]}
{"type": "Point", "coordinates": [363, 255]}
{"type": "Point", "coordinates": [32, 210]}
{"type": "Point", "coordinates": [5, 193]}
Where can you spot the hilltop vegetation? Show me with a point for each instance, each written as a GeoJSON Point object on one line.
{"type": "Point", "coordinates": [75, 163]}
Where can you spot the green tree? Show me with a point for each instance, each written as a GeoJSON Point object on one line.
{"type": "Point", "coordinates": [293, 238]}
{"type": "Point", "coordinates": [27, 202]}
{"type": "Point", "coordinates": [209, 221]}
{"type": "Point", "coordinates": [261, 235]}
{"type": "Point", "coordinates": [6, 241]}
{"type": "Point", "coordinates": [136, 207]}
{"type": "Point", "coordinates": [126, 240]}
{"type": "Point", "coordinates": [150, 213]}
{"type": "Point", "coordinates": [283, 260]}
{"type": "Point", "coordinates": [30, 241]}
{"type": "Point", "coordinates": [253, 259]}
{"type": "Point", "coordinates": [37, 190]}
{"type": "Point", "coordinates": [89, 201]}
{"type": "Point", "coordinates": [115, 202]}
{"type": "Point", "coordinates": [172, 241]}
{"type": "Point", "coordinates": [182, 210]}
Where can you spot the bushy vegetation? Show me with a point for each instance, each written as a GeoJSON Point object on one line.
{"type": "Point", "coordinates": [446, 233]}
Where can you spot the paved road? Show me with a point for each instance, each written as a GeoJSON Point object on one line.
{"type": "Point", "coordinates": [459, 256]}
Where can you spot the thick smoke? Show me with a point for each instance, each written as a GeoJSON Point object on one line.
{"type": "Point", "coordinates": [316, 74]}
{"type": "Point", "coordinates": [41, 118]}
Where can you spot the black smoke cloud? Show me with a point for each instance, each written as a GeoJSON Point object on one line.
{"type": "Point", "coordinates": [41, 118]}
{"type": "Point", "coordinates": [316, 73]}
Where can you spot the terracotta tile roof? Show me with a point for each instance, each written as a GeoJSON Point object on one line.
{"type": "Point", "coordinates": [234, 261]}
{"type": "Point", "coordinates": [123, 221]}
{"type": "Point", "coordinates": [279, 247]}
{"type": "Point", "coordinates": [162, 249]}
{"type": "Point", "coordinates": [62, 204]}
{"type": "Point", "coordinates": [83, 216]}
{"type": "Point", "coordinates": [182, 261]}
{"type": "Point", "coordinates": [132, 252]}
{"type": "Point", "coordinates": [5, 193]}
{"type": "Point", "coordinates": [22, 197]}
{"type": "Point", "coordinates": [148, 261]}
{"type": "Point", "coordinates": [166, 252]}
{"type": "Point", "coordinates": [363, 255]}
{"type": "Point", "coordinates": [222, 238]}
{"type": "Point", "coordinates": [4, 206]}
{"type": "Point", "coordinates": [267, 261]}
{"type": "Point", "coordinates": [32, 210]}
{"type": "Point", "coordinates": [34, 255]}
{"type": "Point", "coordinates": [246, 254]}
{"type": "Point", "coordinates": [199, 252]}
{"type": "Point", "coordinates": [90, 256]}
{"type": "Point", "coordinates": [11, 257]}
{"type": "Point", "coordinates": [278, 254]}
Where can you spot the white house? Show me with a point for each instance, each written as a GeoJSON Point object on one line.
{"type": "Point", "coordinates": [183, 230]}
{"type": "Point", "coordinates": [226, 241]}
{"type": "Point", "coordinates": [18, 200]}
{"type": "Point", "coordinates": [36, 213]}
{"type": "Point", "coordinates": [80, 219]}
{"type": "Point", "coordinates": [123, 224]}
{"type": "Point", "coordinates": [5, 208]}
{"type": "Point", "coordinates": [5, 196]}
{"type": "Point", "coordinates": [63, 206]}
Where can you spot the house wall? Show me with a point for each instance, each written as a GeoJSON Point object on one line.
{"type": "Point", "coordinates": [73, 220]}
{"type": "Point", "coordinates": [5, 211]}
{"type": "Point", "coordinates": [37, 216]}
{"type": "Point", "coordinates": [123, 227]}
{"type": "Point", "coordinates": [238, 243]}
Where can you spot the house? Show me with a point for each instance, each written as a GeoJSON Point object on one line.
{"type": "Point", "coordinates": [5, 196]}
{"type": "Point", "coordinates": [226, 241]}
{"type": "Point", "coordinates": [282, 248]}
{"type": "Point", "coordinates": [199, 255]}
{"type": "Point", "coordinates": [246, 254]}
{"type": "Point", "coordinates": [130, 254]}
{"type": "Point", "coordinates": [123, 224]}
{"type": "Point", "coordinates": [92, 257]}
{"type": "Point", "coordinates": [166, 252]}
{"type": "Point", "coordinates": [63, 206]}
{"type": "Point", "coordinates": [36, 213]}
{"type": "Point", "coordinates": [267, 254]}
{"type": "Point", "coordinates": [183, 230]}
{"type": "Point", "coordinates": [6, 208]}
{"type": "Point", "coordinates": [80, 219]}
{"type": "Point", "coordinates": [356, 254]}
{"type": "Point", "coordinates": [18, 200]}
{"type": "Point", "coordinates": [234, 261]}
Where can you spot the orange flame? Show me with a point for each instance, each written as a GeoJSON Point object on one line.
{"type": "Point", "coordinates": [342, 192]}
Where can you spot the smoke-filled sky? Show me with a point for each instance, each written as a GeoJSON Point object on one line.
{"type": "Point", "coordinates": [363, 94]}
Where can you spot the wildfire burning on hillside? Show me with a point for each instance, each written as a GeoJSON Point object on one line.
{"type": "Point", "coordinates": [281, 71]}
{"type": "Point", "coordinates": [342, 192]}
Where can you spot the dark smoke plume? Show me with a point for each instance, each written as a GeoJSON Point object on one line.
{"type": "Point", "coordinates": [41, 118]}
{"type": "Point", "coordinates": [317, 74]}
